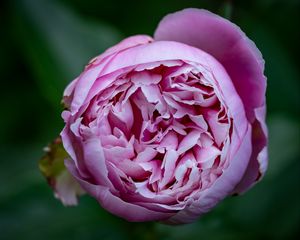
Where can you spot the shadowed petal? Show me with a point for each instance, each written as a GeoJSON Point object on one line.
{"type": "Point", "coordinates": [259, 158]}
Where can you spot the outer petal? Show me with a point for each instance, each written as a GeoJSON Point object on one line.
{"type": "Point", "coordinates": [128, 43]}
{"type": "Point", "coordinates": [77, 91]}
{"type": "Point", "coordinates": [227, 43]}
{"type": "Point", "coordinates": [87, 155]}
{"type": "Point", "coordinates": [68, 93]}
{"type": "Point", "coordinates": [114, 204]}
{"type": "Point", "coordinates": [73, 146]}
{"type": "Point", "coordinates": [259, 158]}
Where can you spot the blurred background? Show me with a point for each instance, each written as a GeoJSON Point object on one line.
{"type": "Point", "coordinates": [44, 44]}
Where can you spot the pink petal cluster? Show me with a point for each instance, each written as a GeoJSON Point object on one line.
{"type": "Point", "coordinates": [165, 128]}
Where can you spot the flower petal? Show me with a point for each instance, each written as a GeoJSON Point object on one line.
{"type": "Point", "coordinates": [188, 141]}
{"type": "Point", "coordinates": [97, 65]}
{"type": "Point", "coordinates": [223, 186]}
{"type": "Point", "coordinates": [227, 43]}
{"type": "Point", "coordinates": [116, 205]}
{"type": "Point", "coordinates": [168, 50]}
{"type": "Point", "coordinates": [259, 158]}
{"type": "Point", "coordinates": [94, 161]}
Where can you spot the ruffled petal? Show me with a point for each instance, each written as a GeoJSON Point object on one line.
{"type": "Point", "coordinates": [223, 186]}
{"type": "Point", "coordinates": [166, 51]}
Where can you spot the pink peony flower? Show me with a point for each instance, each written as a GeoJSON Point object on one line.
{"type": "Point", "coordinates": [165, 128]}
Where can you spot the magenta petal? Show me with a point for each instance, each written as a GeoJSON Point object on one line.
{"type": "Point", "coordinates": [114, 204]}
{"type": "Point", "coordinates": [259, 158]}
{"type": "Point", "coordinates": [227, 43]}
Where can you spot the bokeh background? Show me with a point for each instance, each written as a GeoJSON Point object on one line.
{"type": "Point", "coordinates": [44, 44]}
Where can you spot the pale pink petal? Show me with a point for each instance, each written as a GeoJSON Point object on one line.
{"type": "Point", "coordinates": [156, 171]}
{"type": "Point", "coordinates": [111, 140]}
{"type": "Point", "coordinates": [146, 155]}
{"type": "Point", "coordinates": [219, 130]}
{"type": "Point", "coordinates": [200, 121]}
{"type": "Point", "coordinates": [103, 126]}
{"type": "Point", "coordinates": [143, 190]}
{"type": "Point", "coordinates": [116, 153]}
{"type": "Point", "coordinates": [205, 140]}
{"type": "Point", "coordinates": [180, 108]}
{"type": "Point", "coordinates": [124, 113]}
{"type": "Point", "coordinates": [152, 93]}
{"type": "Point", "coordinates": [145, 78]}
{"type": "Point", "coordinates": [206, 156]}
{"type": "Point", "coordinates": [169, 163]}
{"type": "Point", "coordinates": [131, 168]}
{"type": "Point", "coordinates": [75, 127]}
{"type": "Point", "coordinates": [169, 141]}
{"type": "Point", "coordinates": [152, 65]}
{"type": "Point", "coordinates": [188, 141]}
{"type": "Point", "coordinates": [182, 168]}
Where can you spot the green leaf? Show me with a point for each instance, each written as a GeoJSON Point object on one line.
{"type": "Point", "coordinates": [61, 181]}
{"type": "Point", "coordinates": [52, 163]}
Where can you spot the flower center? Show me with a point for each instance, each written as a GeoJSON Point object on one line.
{"type": "Point", "coordinates": [163, 130]}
